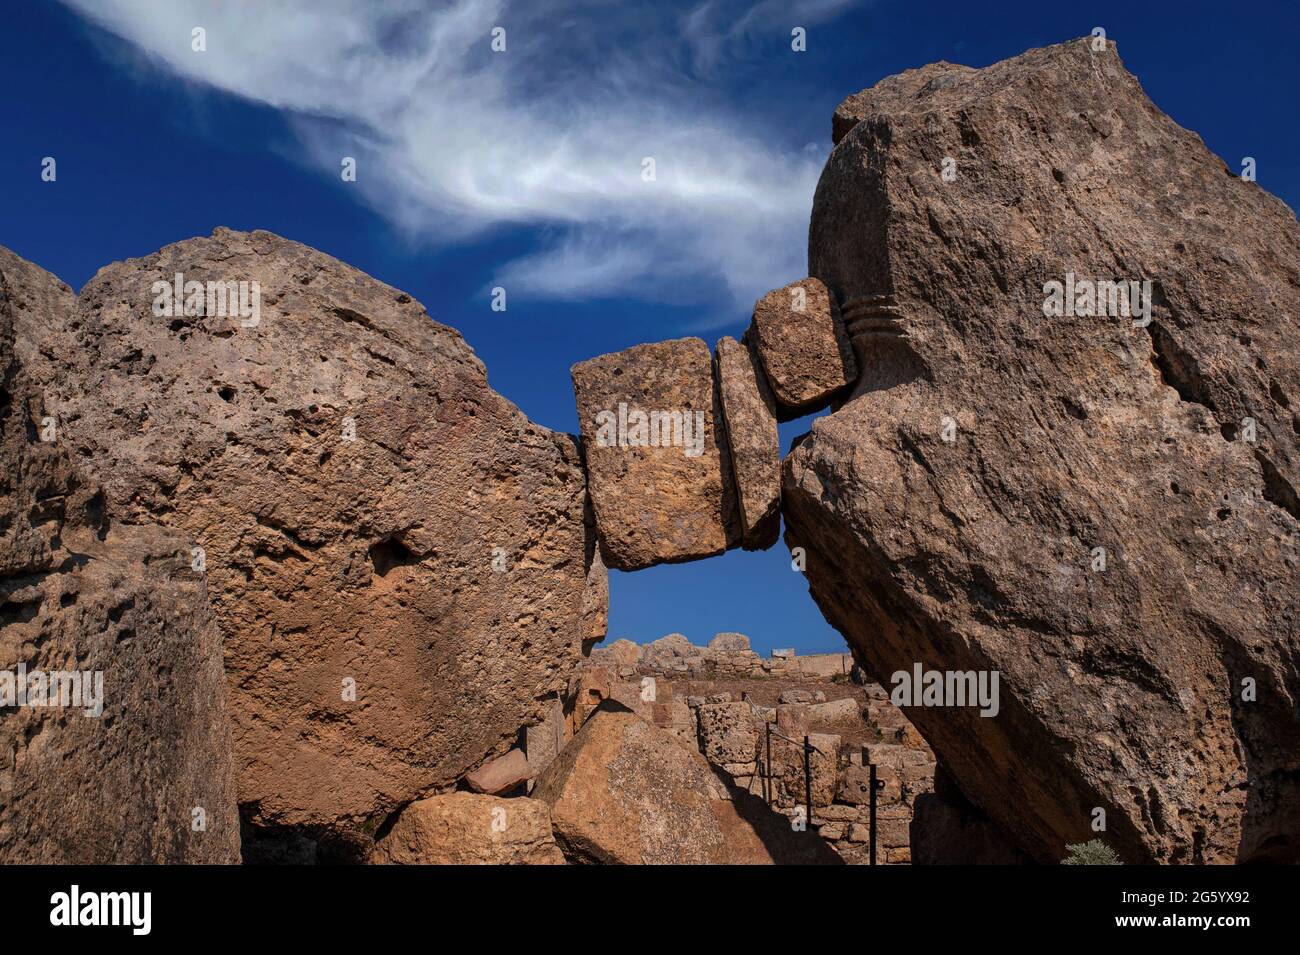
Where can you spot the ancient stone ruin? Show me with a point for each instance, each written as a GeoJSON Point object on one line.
{"type": "Point", "coordinates": [344, 596]}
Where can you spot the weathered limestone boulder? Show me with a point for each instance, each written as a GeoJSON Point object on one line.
{"type": "Point", "coordinates": [129, 760]}
{"type": "Point", "coordinates": [668, 652]}
{"type": "Point", "coordinates": [588, 688]}
{"type": "Point", "coordinates": [799, 337]}
{"type": "Point", "coordinates": [729, 642]}
{"type": "Point", "coordinates": [854, 787]}
{"type": "Point", "coordinates": [501, 774]}
{"type": "Point", "coordinates": [620, 653]}
{"type": "Point", "coordinates": [543, 741]}
{"type": "Point", "coordinates": [652, 436]}
{"type": "Point", "coordinates": [595, 596]}
{"type": "Point", "coordinates": [470, 829]}
{"type": "Point", "coordinates": [834, 711]}
{"type": "Point", "coordinates": [395, 555]}
{"type": "Point", "coordinates": [823, 766]}
{"type": "Point", "coordinates": [793, 719]}
{"type": "Point", "coordinates": [750, 414]}
{"type": "Point", "coordinates": [825, 665]}
{"type": "Point", "coordinates": [801, 695]}
{"type": "Point", "coordinates": [1075, 501]}
{"type": "Point", "coordinates": [727, 733]}
{"type": "Point", "coordinates": [640, 695]}
{"type": "Point", "coordinates": [626, 792]}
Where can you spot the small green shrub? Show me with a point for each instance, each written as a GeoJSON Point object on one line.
{"type": "Point", "coordinates": [1092, 852]}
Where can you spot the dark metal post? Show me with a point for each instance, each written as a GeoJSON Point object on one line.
{"type": "Point", "coordinates": [873, 813]}
{"type": "Point", "coordinates": [767, 773]}
{"type": "Point", "coordinates": [807, 779]}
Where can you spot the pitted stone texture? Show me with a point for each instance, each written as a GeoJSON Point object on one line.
{"type": "Point", "coordinates": [595, 596]}
{"type": "Point", "coordinates": [620, 653]}
{"type": "Point", "coordinates": [129, 784]}
{"type": "Point", "coordinates": [728, 732]}
{"type": "Point", "coordinates": [656, 504]}
{"type": "Point", "coordinates": [669, 652]}
{"type": "Point", "coordinates": [437, 563]}
{"type": "Point", "coordinates": [470, 829]}
{"type": "Point", "coordinates": [800, 339]}
{"type": "Point", "coordinates": [952, 507]}
{"type": "Point", "coordinates": [750, 414]}
{"type": "Point", "coordinates": [823, 766]}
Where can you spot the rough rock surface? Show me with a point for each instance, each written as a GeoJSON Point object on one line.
{"type": "Point", "coordinates": [396, 556]}
{"type": "Point", "coordinates": [953, 506]}
{"type": "Point", "coordinates": [543, 741]}
{"type": "Point", "coordinates": [729, 642]}
{"type": "Point", "coordinates": [661, 492]}
{"type": "Point", "coordinates": [148, 779]}
{"type": "Point", "coordinates": [750, 415]}
{"type": "Point", "coordinates": [500, 774]}
{"type": "Point", "coordinates": [799, 337]}
{"type": "Point", "coordinates": [470, 829]}
{"type": "Point", "coordinates": [727, 732]}
{"type": "Point", "coordinates": [823, 764]}
{"type": "Point", "coordinates": [595, 596]}
{"type": "Point", "coordinates": [626, 792]}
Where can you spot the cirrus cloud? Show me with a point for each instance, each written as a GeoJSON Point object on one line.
{"type": "Point", "coordinates": [454, 140]}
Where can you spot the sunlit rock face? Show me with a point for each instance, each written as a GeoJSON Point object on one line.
{"type": "Point", "coordinates": [398, 559]}
{"type": "Point", "coordinates": [114, 736]}
{"type": "Point", "coordinates": [1094, 498]}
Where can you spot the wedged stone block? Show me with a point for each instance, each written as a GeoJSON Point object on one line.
{"type": "Point", "coordinates": [750, 414]}
{"type": "Point", "coordinates": [659, 477]}
{"type": "Point", "coordinates": [799, 337]}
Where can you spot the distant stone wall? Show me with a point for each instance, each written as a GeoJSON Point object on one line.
{"type": "Point", "coordinates": [729, 729]}
{"type": "Point", "coordinates": [728, 655]}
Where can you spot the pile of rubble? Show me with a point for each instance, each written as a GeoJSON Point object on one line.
{"type": "Point", "coordinates": [753, 751]}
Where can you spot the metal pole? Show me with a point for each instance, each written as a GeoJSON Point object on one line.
{"type": "Point", "coordinates": [767, 775]}
{"type": "Point", "coordinates": [873, 813]}
{"type": "Point", "coordinates": [807, 778]}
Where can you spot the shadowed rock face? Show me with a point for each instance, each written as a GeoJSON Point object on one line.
{"type": "Point", "coordinates": [149, 779]}
{"type": "Point", "coordinates": [953, 506]}
{"type": "Point", "coordinates": [373, 516]}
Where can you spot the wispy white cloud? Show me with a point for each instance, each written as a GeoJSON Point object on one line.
{"type": "Point", "coordinates": [454, 140]}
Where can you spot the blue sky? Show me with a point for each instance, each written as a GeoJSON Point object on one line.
{"type": "Point", "coordinates": [523, 168]}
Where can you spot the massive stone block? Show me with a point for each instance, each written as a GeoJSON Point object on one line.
{"type": "Point", "coordinates": [1075, 502]}
{"type": "Point", "coordinates": [799, 337]}
{"type": "Point", "coordinates": [750, 415]}
{"type": "Point", "coordinates": [130, 761]}
{"type": "Point", "coordinates": [661, 485]}
{"type": "Point", "coordinates": [727, 732]}
{"type": "Point", "coordinates": [626, 792]}
{"type": "Point", "coordinates": [396, 556]}
{"type": "Point", "coordinates": [470, 829]}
